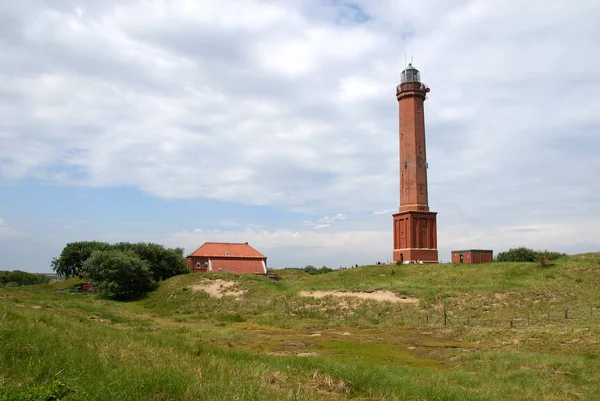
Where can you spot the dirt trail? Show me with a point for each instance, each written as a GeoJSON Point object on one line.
{"type": "Point", "coordinates": [218, 288]}
{"type": "Point", "coordinates": [381, 296]}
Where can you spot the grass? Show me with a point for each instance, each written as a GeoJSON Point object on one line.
{"type": "Point", "coordinates": [272, 343]}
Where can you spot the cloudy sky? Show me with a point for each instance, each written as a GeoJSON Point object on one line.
{"type": "Point", "coordinates": [276, 123]}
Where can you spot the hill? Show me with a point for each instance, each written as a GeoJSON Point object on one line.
{"type": "Point", "coordinates": [512, 331]}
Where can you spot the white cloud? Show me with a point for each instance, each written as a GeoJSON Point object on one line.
{"type": "Point", "coordinates": [334, 247]}
{"type": "Point", "coordinates": [7, 232]}
{"type": "Point", "coordinates": [301, 247]}
{"type": "Point", "coordinates": [291, 104]}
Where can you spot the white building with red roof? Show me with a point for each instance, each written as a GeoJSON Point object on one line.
{"type": "Point", "coordinates": [231, 257]}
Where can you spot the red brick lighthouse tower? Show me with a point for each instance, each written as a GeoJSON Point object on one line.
{"type": "Point", "coordinates": [415, 229]}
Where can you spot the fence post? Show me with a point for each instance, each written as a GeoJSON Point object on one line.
{"type": "Point", "coordinates": [548, 314]}
{"type": "Point", "coordinates": [427, 317]}
{"type": "Point", "coordinates": [511, 323]}
{"type": "Point", "coordinates": [468, 320]}
{"type": "Point", "coordinates": [527, 318]}
{"type": "Point", "coordinates": [566, 313]}
{"type": "Point", "coordinates": [445, 317]}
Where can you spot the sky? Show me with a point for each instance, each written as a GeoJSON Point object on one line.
{"type": "Point", "coordinates": [276, 123]}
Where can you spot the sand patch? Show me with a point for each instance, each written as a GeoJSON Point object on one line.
{"type": "Point", "coordinates": [218, 288]}
{"type": "Point", "coordinates": [307, 354]}
{"type": "Point", "coordinates": [381, 296]}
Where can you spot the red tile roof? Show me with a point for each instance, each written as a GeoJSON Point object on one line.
{"type": "Point", "coordinates": [227, 249]}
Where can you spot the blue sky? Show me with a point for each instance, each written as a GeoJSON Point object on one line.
{"type": "Point", "coordinates": [184, 122]}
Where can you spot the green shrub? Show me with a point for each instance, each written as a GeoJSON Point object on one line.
{"type": "Point", "coordinates": [543, 259]}
{"type": "Point", "coordinates": [21, 278]}
{"type": "Point", "coordinates": [553, 255]}
{"type": "Point", "coordinates": [313, 270]}
{"type": "Point", "coordinates": [523, 254]}
{"type": "Point", "coordinates": [118, 274]}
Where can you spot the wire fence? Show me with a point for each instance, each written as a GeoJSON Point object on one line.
{"type": "Point", "coordinates": [447, 318]}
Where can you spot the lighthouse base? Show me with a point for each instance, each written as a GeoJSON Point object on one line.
{"type": "Point", "coordinates": [415, 237]}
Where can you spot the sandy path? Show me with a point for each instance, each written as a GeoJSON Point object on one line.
{"type": "Point", "coordinates": [381, 296]}
{"type": "Point", "coordinates": [218, 288]}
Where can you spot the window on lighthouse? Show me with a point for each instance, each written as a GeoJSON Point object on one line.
{"type": "Point", "coordinates": [421, 188]}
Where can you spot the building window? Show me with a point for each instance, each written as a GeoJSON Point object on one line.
{"type": "Point", "coordinates": [421, 188]}
{"type": "Point", "coordinates": [256, 269]}
{"type": "Point", "coordinates": [405, 164]}
{"type": "Point", "coordinates": [220, 269]}
{"type": "Point", "coordinates": [419, 148]}
{"type": "Point", "coordinates": [422, 227]}
{"type": "Point", "coordinates": [402, 236]}
{"type": "Point", "coordinates": [402, 135]}
{"type": "Point", "coordinates": [197, 265]}
{"type": "Point", "coordinates": [418, 108]}
{"type": "Point", "coordinates": [233, 268]}
{"type": "Point", "coordinates": [226, 253]}
{"type": "Point", "coordinates": [205, 264]}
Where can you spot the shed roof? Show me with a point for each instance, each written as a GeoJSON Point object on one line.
{"type": "Point", "coordinates": [473, 250]}
{"type": "Point", "coordinates": [227, 249]}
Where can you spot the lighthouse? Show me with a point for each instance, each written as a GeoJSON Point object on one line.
{"type": "Point", "coordinates": [415, 226]}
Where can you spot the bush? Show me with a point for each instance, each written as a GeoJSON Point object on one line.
{"type": "Point", "coordinates": [313, 270]}
{"type": "Point", "coordinates": [523, 254]}
{"type": "Point", "coordinates": [118, 274]}
{"type": "Point", "coordinates": [21, 278]}
{"type": "Point", "coordinates": [517, 255]}
{"type": "Point", "coordinates": [543, 259]}
{"type": "Point", "coordinates": [554, 255]}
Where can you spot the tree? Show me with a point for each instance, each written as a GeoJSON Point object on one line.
{"type": "Point", "coordinates": [162, 262]}
{"type": "Point", "coordinates": [73, 256]}
{"type": "Point", "coordinates": [118, 274]}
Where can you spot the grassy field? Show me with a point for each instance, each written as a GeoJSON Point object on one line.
{"type": "Point", "coordinates": [506, 337]}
